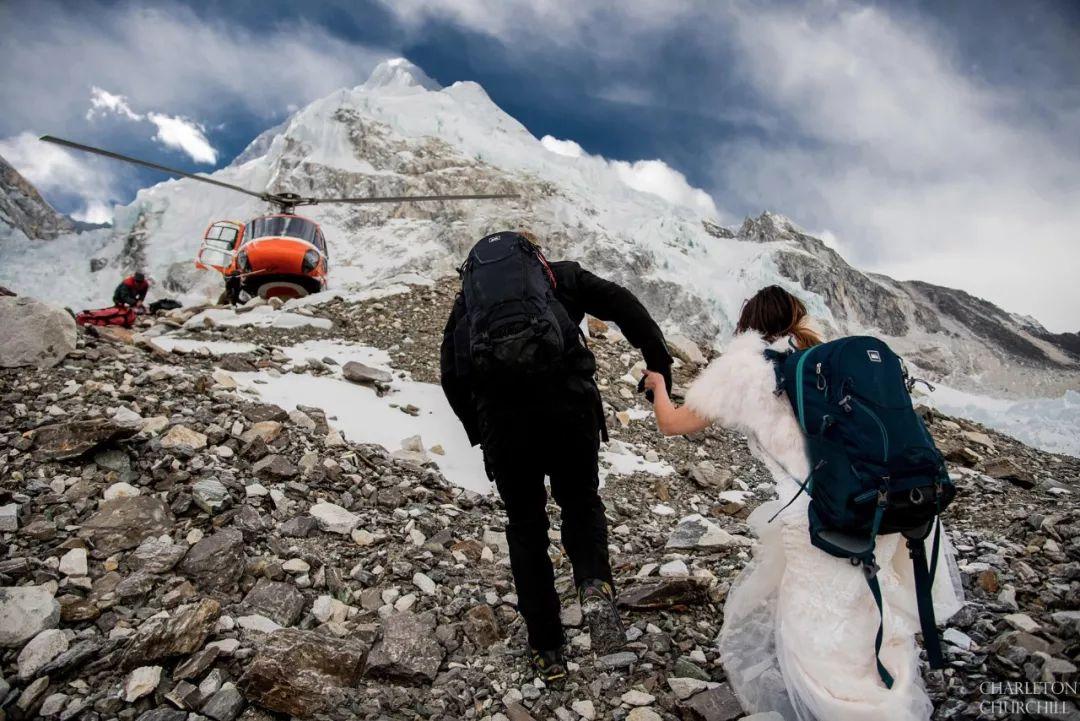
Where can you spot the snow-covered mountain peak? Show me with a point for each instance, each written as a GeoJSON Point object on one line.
{"type": "Point", "coordinates": [769, 227]}
{"type": "Point", "coordinates": [400, 134]}
{"type": "Point", "coordinates": [398, 74]}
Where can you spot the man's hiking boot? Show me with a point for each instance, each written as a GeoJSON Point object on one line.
{"type": "Point", "coordinates": [548, 665]}
{"type": "Point", "coordinates": [601, 616]}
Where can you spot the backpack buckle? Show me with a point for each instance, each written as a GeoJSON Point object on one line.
{"type": "Point", "coordinates": [869, 568]}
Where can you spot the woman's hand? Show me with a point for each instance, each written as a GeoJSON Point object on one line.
{"type": "Point", "coordinates": [655, 382]}
{"type": "Point", "coordinates": [670, 420]}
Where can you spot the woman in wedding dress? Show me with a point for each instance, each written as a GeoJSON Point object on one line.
{"type": "Point", "coordinates": [799, 624]}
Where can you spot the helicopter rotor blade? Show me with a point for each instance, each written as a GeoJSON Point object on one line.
{"type": "Point", "coordinates": [409, 198]}
{"type": "Point", "coordinates": [148, 164]}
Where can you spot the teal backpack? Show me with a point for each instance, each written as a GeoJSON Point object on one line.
{"type": "Point", "coordinates": [875, 468]}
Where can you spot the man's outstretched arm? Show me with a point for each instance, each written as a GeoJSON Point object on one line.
{"type": "Point", "coordinates": [611, 302]}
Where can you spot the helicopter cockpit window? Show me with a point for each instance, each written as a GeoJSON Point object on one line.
{"type": "Point", "coordinates": [282, 226]}
{"type": "Point", "coordinates": [320, 241]}
{"type": "Point", "coordinates": [222, 237]}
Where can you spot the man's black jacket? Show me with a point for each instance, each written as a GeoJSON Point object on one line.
{"type": "Point", "coordinates": [130, 292]}
{"type": "Point", "coordinates": [580, 292]}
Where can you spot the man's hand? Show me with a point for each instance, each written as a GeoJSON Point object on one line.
{"type": "Point", "coordinates": [654, 385]}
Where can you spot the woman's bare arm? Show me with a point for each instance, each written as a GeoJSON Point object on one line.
{"type": "Point", "coordinates": [670, 420]}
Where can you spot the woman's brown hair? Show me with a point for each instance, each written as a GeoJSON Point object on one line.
{"type": "Point", "coordinates": [775, 313]}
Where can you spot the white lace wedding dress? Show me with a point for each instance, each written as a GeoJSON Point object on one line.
{"type": "Point", "coordinates": [799, 624]}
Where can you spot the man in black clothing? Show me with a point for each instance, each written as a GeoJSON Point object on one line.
{"type": "Point", "coordinates": [552, 427]}
{"type": "Point", "coordinates": [132, 291]}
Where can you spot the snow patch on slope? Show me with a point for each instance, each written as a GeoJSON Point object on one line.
{"type": "Point", "coordinates": [1049, 424]}
{"type": "Point", "coordinates": [364, 417]}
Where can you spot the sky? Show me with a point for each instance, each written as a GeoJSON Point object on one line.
{"type": "Point", "coordinates": [937, 141]}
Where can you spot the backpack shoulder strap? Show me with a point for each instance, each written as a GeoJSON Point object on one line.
{"type": "Point", "coordinates": [924, 596]}
{"type": "Point", "coordinates": [870, 570]}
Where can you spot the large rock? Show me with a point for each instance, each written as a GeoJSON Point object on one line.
{"type": "Point", "coordinates": [216, 562]}
{"type": "Point", "coordinates": [1007, 469]}
{"type": "Point", "coordinates": [365, 375]}
{"type": "Point", "coordinates": [301, 673]}
{"type": "Point", "coordinates": [225, 705]}
{"type": "Point", "coordinates": [332, 518]}
{"type": "Point", "coordinates": [716, 704]}
{"type": "Point", "coordinates": [64, 441]}
{"type": "Point", "coordinates": [42, 649]}
{"type": "Point", "coordinates": [140, 682]}
{"type": "Point", "coordinates": [707, 475]}
{"type": "Point", "coordinates": [685, 350]}
{"type": "Point", "coordinates": [123, 523]}
{"type": "Point", "coordinates": [665, 593]}
{"type": "Point", "coordinates": [183, 437]}
{"type": "Point", "coordinates": [280, 602]}
{"type": "Point", "coordinates": [26, 611]}
{"type": "Point", "coordinates": [210, 494]}
{"type": "Point", "coordinates": [156, 555]}
{"type": "Point", "coordinates": [183, 633]}
{"type": "Point", "coordinates": [697, 532]}
{"type": "Point", "coordinates": [265, 412]}
{"type": "Point", "coordinates": [33, 333]}
{"type": "Point", "coordinates": [275, 468]}
{"type": "Point", "coordinates": [408, 650]}
{"type": "Point", "coordinates": [482, 626]}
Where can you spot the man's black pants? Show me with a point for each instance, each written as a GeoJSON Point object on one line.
{"type": "Point", "coordinates": [558, 437]}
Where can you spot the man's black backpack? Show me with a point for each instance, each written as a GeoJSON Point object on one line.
{"type": "Point", "coordinates": [517, 327]}
{"type": "Point", "coordinates": [875, 468]}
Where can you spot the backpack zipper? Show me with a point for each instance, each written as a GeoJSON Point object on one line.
{"type": "Point", "coordinates": [881, 426]}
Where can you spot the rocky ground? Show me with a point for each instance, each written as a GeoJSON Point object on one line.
{"type": "Point", "coordinates": [174, 549]}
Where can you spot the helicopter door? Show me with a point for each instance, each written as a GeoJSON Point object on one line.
{"type": "Point", "coordinates": [219, 246]}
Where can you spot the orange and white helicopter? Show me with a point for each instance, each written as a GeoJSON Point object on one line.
{"type": "Point", "coordinates": [281, 254]}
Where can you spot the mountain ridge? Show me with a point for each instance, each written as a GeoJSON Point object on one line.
{"type": "Point", "coordinates": [23, 209]}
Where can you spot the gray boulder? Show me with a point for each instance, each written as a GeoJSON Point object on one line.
{"type": "Point", "coordinates": [716, 704]}
{"type": "Point", "coordinates": [301, 673]}
{"type": "Point", "coordinates": [363, 374]}
{"type": "Point", "coordinates": [33, 333]}
{"type": "Point", "coordinates": [182, 633]}
{"type": "Point", "coordinates": [26, 611]}
{"type": "Point", "coordinates": [280, 602]}
{"type": "Point", "coordinates": [65, 441]}
{"type": "Point", "coordinates": [123, 523]}
{"type": "Point", "coordinates": [408, 650]}
{"type": "Point", "coordinates": [707, 475]}
{"type": "Point", "coordinates": [698, 532]}
{"type": "Point", "coordinates": [155, 555]}
{"type": "Point", "coordinates": [211, 495]}
{"type": "Point", "coordinates": [216, 562]}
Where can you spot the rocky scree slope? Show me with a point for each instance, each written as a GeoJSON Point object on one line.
{"type": "Point", "coordinates": [173, 547]}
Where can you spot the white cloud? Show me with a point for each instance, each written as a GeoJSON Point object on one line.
{"type": "Point", "coordinates": [102, 102]}
{"type": "Point", "coordinates": [185, 135]}
{"type": "Point", "coordinates": [172, 131]}
{"type": "Point", "coordinates": [562, 147]}
{"type": "Point", "coordinates": [646, 176]}
{"type": "Point", "coordinates": [167, 58]}
{"type": "Point", "coordinates": [52, 169]}
{"type": "Point", "coordinates": [918, 170]}
{"type": "Point", "coordinates": [659, 178]}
